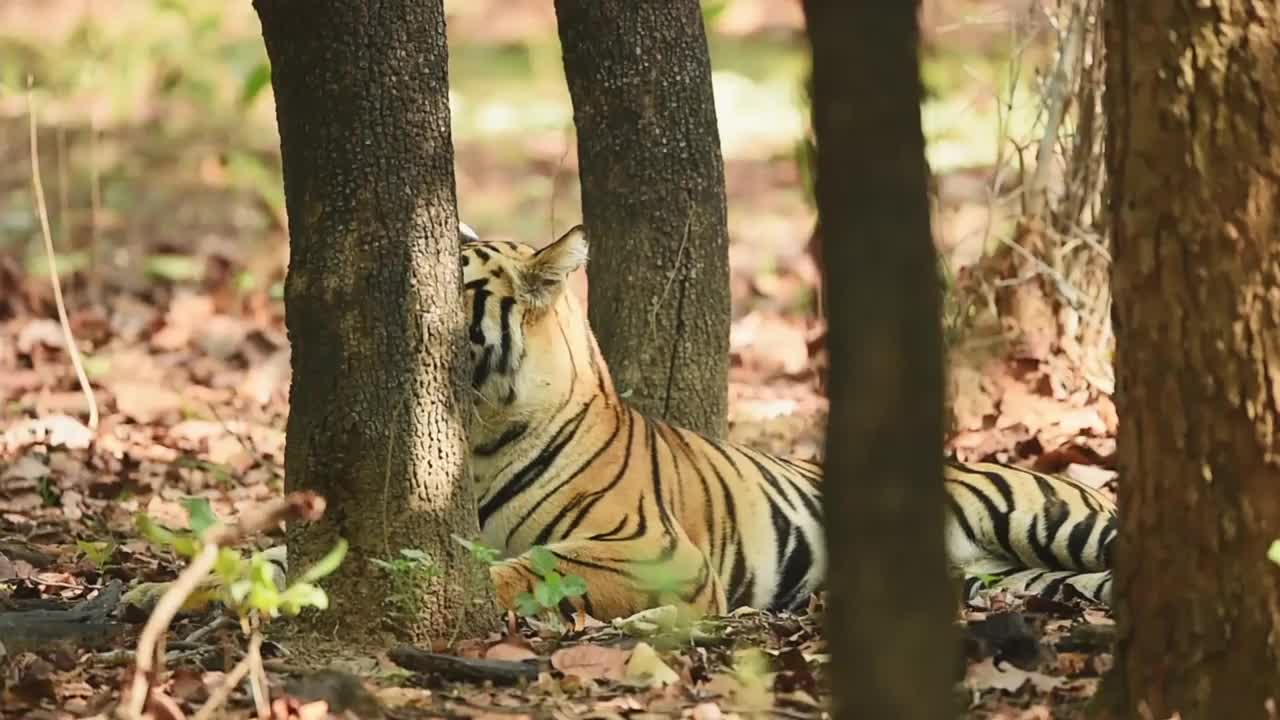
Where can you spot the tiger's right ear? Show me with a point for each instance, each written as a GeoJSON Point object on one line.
{"type": "Point", "coordinates": [543, 276]}
{"type": "Point", "coordinates": [466, 234]}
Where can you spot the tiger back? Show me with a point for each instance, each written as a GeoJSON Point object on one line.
{"type": "Point", "coordinates": [648, 513]}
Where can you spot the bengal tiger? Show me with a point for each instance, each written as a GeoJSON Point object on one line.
{"type": "Point", "coordinates": [646, 512]}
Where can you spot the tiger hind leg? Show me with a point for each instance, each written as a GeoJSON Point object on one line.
{"type": "Point", "coordinates": [1060, 585]}
{"type": "Point", "coordinates": [619, 582]}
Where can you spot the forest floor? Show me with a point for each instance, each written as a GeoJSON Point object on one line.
{"type": "Point", "coordinates": [169, 223]}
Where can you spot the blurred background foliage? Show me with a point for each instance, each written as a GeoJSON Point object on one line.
{"type": "Point", "coordinates": [159, 149]}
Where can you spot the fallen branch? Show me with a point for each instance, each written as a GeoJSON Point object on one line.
{"type": "Point", "coordinates": [295, 506]}
{"type": "Point", "coordinates": [459, 668]}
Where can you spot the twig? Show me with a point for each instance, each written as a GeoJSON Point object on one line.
{"type": "Point", "coordinates": [1057, 96]}
{"type": "Point", "coordinates": [219, 696]}
{"type": "Point", "coordinates": [200, 633]}
{"type": "Point", "coordinates": [555, 177]}
{"type": "Point", "coordinates": [675, 271]}
{"type": "Point", "coordinates": [300, 505]}
{"type": "Point", "coordinates": [72, 349]}
{"type": "Point", "coordinates": [258, 675]}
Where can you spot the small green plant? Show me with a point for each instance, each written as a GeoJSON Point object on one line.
{"type": "Point", "coordinates": [248, 586]}
{"type": "Point", "coordinates": [481, 552]}
{"type": "Point", "coordinates": [98, 552]}
{"type": "Point", "coordinates": [551, 589]}
{"type": "Point", "coordinates": [409, 571]}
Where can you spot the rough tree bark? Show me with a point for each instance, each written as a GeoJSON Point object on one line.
{"type": "Point", "coordinates": [1193, 105]}
{"type": "Point", "coordinates": [653, 201]}
{"type": "Point", "coordinates": [889, 618]}
{"type": "Point", "coordinates": [373, 306]}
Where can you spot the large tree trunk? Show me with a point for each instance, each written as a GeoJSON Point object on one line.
{"type": "Point", "coordinates": [1193, 104]}
{"type": "Point", "coordinates": [889, 618]}
{"type": "Point", "coordinates": [373, 306]}
{"type": "Point", "coordinates": [653, 201]}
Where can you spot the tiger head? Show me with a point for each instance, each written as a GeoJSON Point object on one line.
{"type": "Point", "coordinates": [529, 340]}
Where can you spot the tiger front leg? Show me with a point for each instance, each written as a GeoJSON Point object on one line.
{"type": "Point", "coordinates": [619, 580]}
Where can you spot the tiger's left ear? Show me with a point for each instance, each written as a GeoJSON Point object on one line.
{"type": "Point", "coordinates": [544, 274]}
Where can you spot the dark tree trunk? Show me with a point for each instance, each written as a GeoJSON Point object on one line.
{"type": "Point", "coordinates": [1193, 105]}
{"type": "Point", "coordinates": [653, 202]}
{"type": "Point", "coordinates": [889, 617]}
{"type": "Point", "coordinates": [373, 306]}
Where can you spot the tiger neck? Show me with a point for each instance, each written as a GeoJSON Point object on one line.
{"type": "Point", "coordinates": [508, 436]}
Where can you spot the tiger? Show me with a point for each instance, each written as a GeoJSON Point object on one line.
{"type": "Point", "coordinates": [650, 514]}
{"type": "Point", "coordinates": [646, 512]}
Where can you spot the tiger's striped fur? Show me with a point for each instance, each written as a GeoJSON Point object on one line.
{"type": "Point", "coordinates": [645, 511]}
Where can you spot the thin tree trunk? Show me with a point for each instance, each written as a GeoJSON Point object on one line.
{"type": "Point", "coordinates": [373, 307]}
{"type": "Point", "coordinates": [889, 618]}
{"type": "Point", "coordinates": [653, 201]}
{"type": "Point", "coordinates": [1193, 105]}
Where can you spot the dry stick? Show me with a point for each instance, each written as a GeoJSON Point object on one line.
{"type": "Point", "coordinates": [72, 349]}
{"type": "Point", "coordinates": [219, 696]}
{"type": "Point", "coordinates": [258, 675]}
{"type": "Point", "coordinates": [1056, 101]}
{"type": "Point", "coordinates": [300, 505]}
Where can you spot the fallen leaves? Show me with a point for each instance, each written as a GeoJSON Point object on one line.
{"type": "Point", "coordinates": [592, 662]}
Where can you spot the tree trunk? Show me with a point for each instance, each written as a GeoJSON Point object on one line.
{"type": "Point", "coordinates": [373, 308]}
{"type": "Point", "coordinates": [889, 617]}
{"type": "Point", "coordinates": [1193, 92]}
{"type": "Point", "coordinates": [653, 202]}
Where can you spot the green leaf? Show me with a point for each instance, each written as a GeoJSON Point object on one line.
{"type": "Point", "coordinates": [542, 559]}
{"type": "Point", "coordinates": [303, 595]}
{"type": "Point", "coordinates": [573, 586]}
{"type": "Point", "coordinates": [264, 598]}
{"type": "Point", "coordinates": [327, 564]}
{"type": "Point", "coordinates": [1273, 552]}
{"type": "Point", "coordinates": [229, 566]}
{"type": "Point", "coordinates": [483, 553]}
{"type": "Point", "coordinates": [527, 605]}
{"type": "Point", "coordinates": [546, 595]}
{"type": "Point", "coordinates": [415, 555]}
{"type": "Point", "coordinates": [200, 515]}
{"type": "Point", "coordinates": [238, 591]}
{"type": "Point", "coordinates": [254, 82]}
{"type": "Point", "coordinates": [174, 268]}
{"type": "Point", "coordinates": [157, 534]}
{"type": "Point", "coordinates": [98, 552]}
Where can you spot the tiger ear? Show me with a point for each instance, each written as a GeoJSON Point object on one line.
{"type": "Point", "coordinates": [544, 274]}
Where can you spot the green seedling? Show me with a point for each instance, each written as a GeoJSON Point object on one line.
{"type": "Point", "coordinates": [551, 589]}
{"type": "Point", "coordinates": [409, 572]}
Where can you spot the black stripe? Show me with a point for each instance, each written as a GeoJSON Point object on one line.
{"type": "Point", "coordinates": [505, 439]}
{"type": "Point", "coordinates": [589, 500]}
{"type": "Point", "coordinates": [504, 312]}
{"type": "Point", "coordinates": [477, 316]}
{"type": "Point", "coordinates": [1054, 587]}
{"type": "Point", "coordinates": [1055, 513]}
{"type": "Point", "coordinates": [480, 372]}
{"type": "Point", "coordinates": [999, 520]}
{"type": "Point", "coordinates": [525, 477]}
{"type": "Point", "coordinates": [1078, 539]}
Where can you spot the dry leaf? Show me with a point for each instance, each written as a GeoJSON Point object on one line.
{"type": "Point", "coordinates": [647, 668]}
{"type": "Point", "coordinates": [511, 648]}
{"type": "Point", "coordinates": [145, 402]}
{"type": "Point", "coordinates": [986, 676]}
{"type": "Point", "coordinates": [591, 662]}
